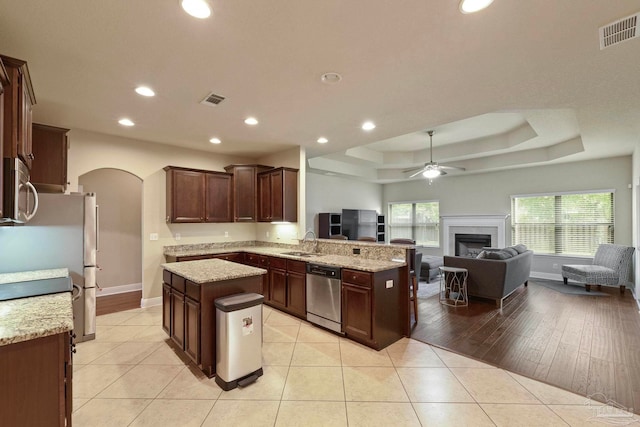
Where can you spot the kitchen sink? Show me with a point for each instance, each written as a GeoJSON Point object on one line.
{"type": "Point", "coordinates": [301, 254]}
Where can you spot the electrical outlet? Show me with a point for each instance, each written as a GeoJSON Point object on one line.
{"type": "Point", "coordinates": [555, 266]}
{"type": "Point", "coordinates": [389, 284]}
{"type": "Point", "coordinates": [356, 251]}
{"type": "Point", "coordinates": [153, 236]}
{"type": "Point", "coordinates": [267, 234]}
{"type": "Point", "coordinates": [226, 234]}
{"type": "Point", "coordinates": [177, 236]}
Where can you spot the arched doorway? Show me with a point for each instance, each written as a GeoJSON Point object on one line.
{"type": "Point", "coordinates": [119, 197]}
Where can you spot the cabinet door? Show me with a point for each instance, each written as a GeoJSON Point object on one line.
{"type": "Point", "coordinates": [185, 195]}
{"type": "Point", "coordinates": [297, 293]}
{"type": "Point", "coordinates": [356, 312]}
{"type": "Point", "coordinates": [166, 308]}
{"type": "Point", "coordinates": [264, 198]}
{"type": "Point", "coordinates": [49, 170]}
{"type": "Point", "coordinates": [278, 287]}
{"type": "Point", "coordinates": [24, 141]}
{"type": "Point", "coordinates": [275, 183]}
{"type": "Point", "coordinates": [218, 195]}
{"type": "Point", "coordinates": [177, 318]}
{"type": "Point", "coordinates": [244, 181]}
{"type": "Point", "coordinates": [192, 329]}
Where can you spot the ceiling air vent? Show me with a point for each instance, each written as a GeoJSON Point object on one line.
{"type": "Point", "coordinates": [212, 99]}
{"type": "Point", "coordinates": [619, 31]}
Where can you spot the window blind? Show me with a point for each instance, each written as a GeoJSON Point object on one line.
{"type": "Point", "coordinates": [567, 223]}
{"type": "Point", "coordinates": [416, 220]}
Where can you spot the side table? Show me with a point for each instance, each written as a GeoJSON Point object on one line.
{"type": "Point", "coordinates": [453, 286]}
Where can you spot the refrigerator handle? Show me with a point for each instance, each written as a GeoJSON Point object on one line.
{"type": "Point", "coordinates": [97, 228]}
{"type": "Point", "coordinates": [35, 199]}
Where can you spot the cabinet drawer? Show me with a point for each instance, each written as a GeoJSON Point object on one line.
{"type": "Point", "coordinates": [355, 277]}
{"type": "Point", "coordinates": [233, 257]}
{"type": "Point", "coordinates": [297, 266]}
{"type": "Point", "coordinates": [177, 282]}
{"type": "Point", "coordinates": [279, 263]}
{"type": "Point", "coordinates": [194, 257]}
{"type": "Point", "coordinates": [166, 277]}
{"type": "Point", "coordinates": [252, 259]}
{"type": "Point", "coordinates": [193, 290]}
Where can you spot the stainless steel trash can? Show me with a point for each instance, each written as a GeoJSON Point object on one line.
{"type": "Point", "coordinates": [238, 340]}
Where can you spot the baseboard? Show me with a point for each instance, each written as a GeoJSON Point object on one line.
{"type": "Point", "coordinates": [113, 290]}
{"type": "Point", "coordinates": [150, 302]}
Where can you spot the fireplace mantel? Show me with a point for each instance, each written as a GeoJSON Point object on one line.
{"type": "Point", "coordinates": [495, 225]}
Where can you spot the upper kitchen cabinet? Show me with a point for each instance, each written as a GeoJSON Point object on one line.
{"type": "Point", "coordinates": [245, 191]}
{"type": "Point", "coordinates": [198, 195]}
{"type": "Point", "coordinates": [49, 169]}
{"type": "Point", "coordinates": [18, 102]}
{"type": "Point", "coordinates": [278, 195]}
{"type": "Point", "coordinates": [218, 197]}
{"type": "Point", "coordinates": [185, 194]}
{"type": "Point", "coordinates": [4, 82]}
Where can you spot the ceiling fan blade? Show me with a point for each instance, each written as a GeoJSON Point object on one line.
{"type": "Point", "coordinates": [417, 173]}
{"type": "Point", "coordinates": [413, 169]}
{"type": "Point", "coordinates": [452, 167]}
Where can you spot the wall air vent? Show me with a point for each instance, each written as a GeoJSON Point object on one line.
{"type": "Point", "coordinates": [212, 99]}
{"type": "Point", "coordinates": [619, 31]}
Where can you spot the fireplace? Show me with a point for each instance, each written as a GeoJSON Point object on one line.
{"type": "Point", "coordinates": [470, 245]}
{"type": "Point", "coordinates": [494, 225]}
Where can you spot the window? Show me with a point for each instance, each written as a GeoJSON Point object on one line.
{"type": "Point", "coordinates": [418, 221]}
{"type": "Point", "coordinates": [567, 223]}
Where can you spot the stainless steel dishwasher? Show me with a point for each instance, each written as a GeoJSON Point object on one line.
{"type": "Point", "coordinates": [324, 296]}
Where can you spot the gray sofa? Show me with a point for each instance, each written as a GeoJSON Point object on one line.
{"type": "Point", "coordinates": [494, 278]}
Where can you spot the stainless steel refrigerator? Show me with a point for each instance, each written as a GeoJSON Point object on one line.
{"type": "Point", "coordinates": [63, 233]}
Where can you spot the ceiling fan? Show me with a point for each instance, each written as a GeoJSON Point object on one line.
{"type": "Point", "coordinates": [431, 169]}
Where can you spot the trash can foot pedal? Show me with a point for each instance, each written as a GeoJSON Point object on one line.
{"type": "Point", "coordinates": [242, 382]}
{"type": "Point", "coordinates": [247, 380]}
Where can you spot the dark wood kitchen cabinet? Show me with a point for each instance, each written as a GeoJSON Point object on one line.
{"type": "Point", "coordinates": [278, 195]}
{"type": "Point", "coordinates": [166, 307]}
{"type": "Point", "coordinates": [195, 195]}
{"type": "Point", "coordinates": [4, 82]}
{"type": "Point", "coordinates": [18, 100]}
{"type": "Point", "coordinates": [371, 305]}
{"type": "Point", "coordinates": [297, 288]}
{"type": "Point", "coordinates": [277, 282]}
{"type": "Point", "coordinates": [177, 317]}
{"type": "Point", "coordinates": [245, 191]}
{"type": "Point", "coordinates": [49, 168]}
{"type": "Point", "coordinates": [192, 327]}
{"type": "Point", "coordinates": [36, 378]}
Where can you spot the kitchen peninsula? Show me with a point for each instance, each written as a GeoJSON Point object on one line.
{"type": "Point", "coordinates": [189, 291]}
{"type": "Point", "coordinates": [374, 284]}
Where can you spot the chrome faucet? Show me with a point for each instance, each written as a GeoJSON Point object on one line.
{"type": "Point", "coordinates": [315, 241]}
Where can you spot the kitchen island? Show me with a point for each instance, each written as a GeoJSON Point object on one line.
{"type": "Point", "coordinates": [188, 294]}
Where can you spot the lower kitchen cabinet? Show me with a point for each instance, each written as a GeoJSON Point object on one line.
{"type": "Point", "coordinates": [297, 288]}
{"type": "Point", "coordinates": [277, 282]}
{"type": "Point", "coordinates": [177, 318]}
{"type": "Point", "coordinates": [166, 308]}
{"type": "Point", "coordinates": [370, 307]}
{"type": "Point", "coordinates": [192, 329]}
{"type": "Point", "coordinates": [35, 382]}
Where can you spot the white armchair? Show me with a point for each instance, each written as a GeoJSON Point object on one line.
{"type": "Point", "coordinates": [610, 267]}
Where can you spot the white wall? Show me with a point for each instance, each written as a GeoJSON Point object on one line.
{"type": "Point", "coordinates": [332, 194]}
{"type": "Point", "coordinates": [90, 151]}
{"type": "Point", "coordinates": [489, 193]}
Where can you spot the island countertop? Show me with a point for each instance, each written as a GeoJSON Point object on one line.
{"type": "Point", "coordinates": [35, 317]}
{"type": "Point", "coordinates": [212, 270]}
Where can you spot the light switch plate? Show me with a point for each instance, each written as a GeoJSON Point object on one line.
{"type": "Point", "coordinates": [153, 236]}
{"type": "Point", "coordinates": [226, 234]}
{"type": "Point", "coordinates": [389, 284]}
{"type": "Point", "coordinates": [177, 236]}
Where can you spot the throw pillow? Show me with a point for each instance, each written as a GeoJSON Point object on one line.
{"type": "Point", "coordinates": [520, 248]}
{"type": "Point", "coordinates": [498, 255]}
{"type": "Point", "coordinates": [511, 251]}
{"type": "Point", "coordinates": [482, 255]}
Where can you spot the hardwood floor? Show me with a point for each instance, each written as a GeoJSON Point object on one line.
{"type": "Point", "coordinates": [586, 344]}
{"type": "Point", "coordinates": [118, 302]}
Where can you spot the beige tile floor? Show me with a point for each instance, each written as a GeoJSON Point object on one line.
{"type": "Point", "coordinates": [131, 376]}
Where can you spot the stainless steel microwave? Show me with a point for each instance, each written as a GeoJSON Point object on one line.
{"type": "Point", "coordinates": [20, 196]}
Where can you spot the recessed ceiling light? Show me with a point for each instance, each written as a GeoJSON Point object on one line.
{"type": "Point", "coordinates": [196, 8]}
{"type": "Point", "coordinates": [368, 126]}
{"type": "Point", "coordinates": [145, 91]}
{"type": "Point", "coordinates": [126, 122]}
{"type": "Point", "coordinates": [471, 6]}
{"type": "Point", "coordinates": [252, 121]}
{"type": "Point", "coordinates": [330, 78]}
{"type": "Point", "coordinates": [322, 140]}
{"type": "Point", "coordinates": [215, 140]}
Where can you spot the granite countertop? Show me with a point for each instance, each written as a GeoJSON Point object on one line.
{"type": "Point", "coordinates": [342, 261]}
{"type": "Point", "coordinates": [212, 270]}
{"type": "Point", "coordinates": [36, 317]}
{"type": "Point", "coordinates": [26, 276]}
